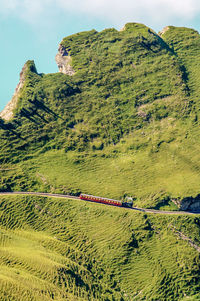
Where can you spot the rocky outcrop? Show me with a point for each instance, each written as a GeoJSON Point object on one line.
{"type": "Point", "coordinates": [166, 28]}
{"type": "Point", "coordinates": [188, 203]}
{"type": "Point", "coordinates": [63, 61]}
{"type": "Point", "coordinates": [7, 113]}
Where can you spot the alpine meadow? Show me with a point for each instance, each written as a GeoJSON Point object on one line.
{"type": "Point", "coordinates": [121, 119]}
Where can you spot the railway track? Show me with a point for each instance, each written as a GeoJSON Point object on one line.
{"type": "Point", "coordinates": [66, 196]}
{"type": "Point", "coordinates": [45, 194]}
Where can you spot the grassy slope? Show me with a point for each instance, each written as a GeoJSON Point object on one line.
{"type": "Point", "coordinates": [54, 249]}
{"type": "Point", "coordinates": [125, 123]}
{"type": "Point", "coordinates": [185, 43]}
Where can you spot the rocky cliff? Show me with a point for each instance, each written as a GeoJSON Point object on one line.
{"type": "Point", "coordinates": [63, 61]}
{"type": "Point", "coordinates": [7, 112]}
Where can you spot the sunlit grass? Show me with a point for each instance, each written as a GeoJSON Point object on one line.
{"type": "Point", "coordinates": [73, 250]}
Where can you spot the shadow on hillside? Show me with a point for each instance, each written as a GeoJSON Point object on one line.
{"type": "Point", "coordinates": [32, 112]}
{"type": "Point", "coordinates": [9, 127]}
{"type": "Point", "coordinates": [28, 114]}
{"type": "Point", "coordinates": [39, 105]}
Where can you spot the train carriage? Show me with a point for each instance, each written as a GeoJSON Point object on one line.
{"type": "Point", "coordinates": [97, 199]}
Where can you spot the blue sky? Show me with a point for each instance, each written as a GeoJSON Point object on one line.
{"type": "Point", "coordinates": [33, 29]}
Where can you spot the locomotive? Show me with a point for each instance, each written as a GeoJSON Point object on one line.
{"type": "Point", "coordinates": [98, 199]}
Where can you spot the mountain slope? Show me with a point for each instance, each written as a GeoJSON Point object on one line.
{"type": "Point", "coordinates": [127, 107]}
{"type": "Point", "coordinates": [120, 118]}
{"type": "Point", "coordinates": [53, 249]}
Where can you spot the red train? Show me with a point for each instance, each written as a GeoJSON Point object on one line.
{"type": "Point", "coordinates": [97, 199]}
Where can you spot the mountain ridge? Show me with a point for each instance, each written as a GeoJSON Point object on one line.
{"type": "Point", "coordinates": [62, 54]}
{"type": "Point", "coordinates": [131, 93]}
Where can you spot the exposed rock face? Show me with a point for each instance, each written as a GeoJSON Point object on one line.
{"type": "Point", "coordinates": [7, 113]}
{"type": "Point", "coordinates": [191, 204]}
{"type": "Point", "coordinates": [63, 61]}
{"type": "Point", "coordinates": [166, 28]}
{"type": "Point", "coordinates": [188, 203]}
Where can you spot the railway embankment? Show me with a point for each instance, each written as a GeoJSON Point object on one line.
{"type": "Point", "coordinates": [56, 195]}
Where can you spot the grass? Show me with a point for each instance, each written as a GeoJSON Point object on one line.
{"type": "Point", "coordinates": [124, 81]}
{"type": "Point", "coordinates": [53, 249]}
{"type": "Point", "coordinates": [171, 172]}
{"type": "Point", "coordinates": [123, 124]}
{"type": "Point", "coordinates": [185, 42]}
{"type": "Point", "coordinates": [152, 173]}
{"type": "Point", "coordinates": [126, 123]}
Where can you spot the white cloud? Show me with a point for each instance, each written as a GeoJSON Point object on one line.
{"type": "Point", "coordinates": [25, 9]}
{"type": "Point", "coordinates": [115, 11]}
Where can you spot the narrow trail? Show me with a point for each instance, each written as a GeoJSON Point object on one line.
{"type": "Point", "coordinates": [56, 195]}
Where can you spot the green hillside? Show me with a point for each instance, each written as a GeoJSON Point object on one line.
{"type": "Point", "coordinates": [126, 123]}
{"type": "Point", "coordinates": [70, 250]}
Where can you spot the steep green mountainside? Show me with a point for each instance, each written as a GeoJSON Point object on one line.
{"type": "Point", "coordinates": [185, 43]}
{"type": "Point", "coordinates": [53, 249]}
{"type": "Point", "coordinates": [125, 123]}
